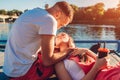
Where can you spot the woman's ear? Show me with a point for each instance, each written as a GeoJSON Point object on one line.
{"type": "Point", "coordinates": [71, 43]}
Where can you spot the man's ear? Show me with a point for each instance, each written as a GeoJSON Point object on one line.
{"type": "Point", "coordinates": [58, 14]}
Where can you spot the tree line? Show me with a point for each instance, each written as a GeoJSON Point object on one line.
{"type": "Point", "coordinates": [96, 14]}
{"type": "Point", "coordinates": [11, 12]}
{"type": "Point", "coordinates": [90, 14]}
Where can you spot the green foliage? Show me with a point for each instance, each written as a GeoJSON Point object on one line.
{"type": "Point", "coordinates": [3, 12]}
{"type": "Point", "coordinates": [11, 12]}
{"type": "Point", "coordinates": [75, 8]}
{"type": "Point", "coordinates": [82, 14]}
{"type": "Point", "coordinates": [96, 13]}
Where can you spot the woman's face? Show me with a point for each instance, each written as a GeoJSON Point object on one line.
{"type": "Point", "coordinates": [61, 38]}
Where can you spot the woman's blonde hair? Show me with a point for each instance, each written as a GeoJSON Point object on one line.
{"type": "Point", "coordinates": [82, 56]}
{"type": "Point", "coordinates": [71, 43]}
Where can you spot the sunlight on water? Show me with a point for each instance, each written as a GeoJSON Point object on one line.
{"type": "Point", "coordinates": [79, 32]}
{"type": "Point", "coordinates": [93, 32]}
{"type": "Point", "coordinates": [4, 29]}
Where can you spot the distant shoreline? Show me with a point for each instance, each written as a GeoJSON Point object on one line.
{"type": "Point", "coordinates": [98, 22]}
{"type": "Point", "coordinates": [90, 22]}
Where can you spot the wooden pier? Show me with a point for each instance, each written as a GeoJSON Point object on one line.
{"type": "Point", "coordinates": [1, 60]}
{"type": "Point", "coordinates": [4, 17]}
{"type": "Point", "coordinates": [114, 57]}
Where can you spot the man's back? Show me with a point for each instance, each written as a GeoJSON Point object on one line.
{"type": "Point", "coordinates": [24, 41]}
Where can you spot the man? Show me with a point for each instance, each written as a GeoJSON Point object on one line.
{"type": "Point", "coordinates": [32, 31]}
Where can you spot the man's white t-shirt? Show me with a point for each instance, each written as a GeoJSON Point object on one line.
{"type": "Point", "coordinates": [24, 40]}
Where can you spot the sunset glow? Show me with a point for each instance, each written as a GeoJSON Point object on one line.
{"type": "Point", "coordinates": [12, 4]}
{"type": "Point", "coordinates": [84, 3]}
{"type": "Point", "coordinates": [111, 3]}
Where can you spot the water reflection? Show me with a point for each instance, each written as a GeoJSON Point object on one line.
{"type": "Point", "coordinates": [4, 29]}
{"type": "Point", "coordinates": [117, 32]}
{"type": "Point", "coordinates": [79, 32]}
{"type": "Point", "coordinates": [71, 30]}
{"type": "Point", "coordinates": [91, 32]}
{"type": "Point", "coordinates": [94, 32]}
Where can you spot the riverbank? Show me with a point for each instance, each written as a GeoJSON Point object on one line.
{"type": "Point", "coordinates": [97, 22]}
{"type": "Point", "coordinates": [7, 18]}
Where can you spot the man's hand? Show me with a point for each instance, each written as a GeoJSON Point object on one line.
{"type": "Point", "coordinates": [76, 51]}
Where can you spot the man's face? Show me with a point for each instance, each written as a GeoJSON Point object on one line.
{"type": "Point", "coordinates": [63, 22]}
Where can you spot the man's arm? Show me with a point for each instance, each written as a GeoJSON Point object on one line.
{"type": "Point", "coordinates": [47, 48]}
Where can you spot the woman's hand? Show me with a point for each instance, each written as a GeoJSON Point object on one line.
{"type": "Point", "coordinates": [101, 63]}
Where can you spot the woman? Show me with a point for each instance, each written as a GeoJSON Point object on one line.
{"type": "Point", "coordinates": [81, 65]}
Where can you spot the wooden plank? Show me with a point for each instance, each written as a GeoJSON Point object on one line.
{"type": "Point", "coordinates": [1, 60]}
{"type": "Point", "coordinates": [114, 59]}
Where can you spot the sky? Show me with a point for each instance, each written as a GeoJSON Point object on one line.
{"type": "Point", "coordinates": [29, 4]}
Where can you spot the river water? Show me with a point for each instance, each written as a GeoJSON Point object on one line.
{"type": "Point", "coordinates": [78, 31]}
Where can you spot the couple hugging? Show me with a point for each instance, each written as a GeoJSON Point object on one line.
{"type": "Point", "coordinates": [79, 64]}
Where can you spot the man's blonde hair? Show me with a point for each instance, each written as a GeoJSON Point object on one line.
{"type": "Point", "coordinates": [66, 8]}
